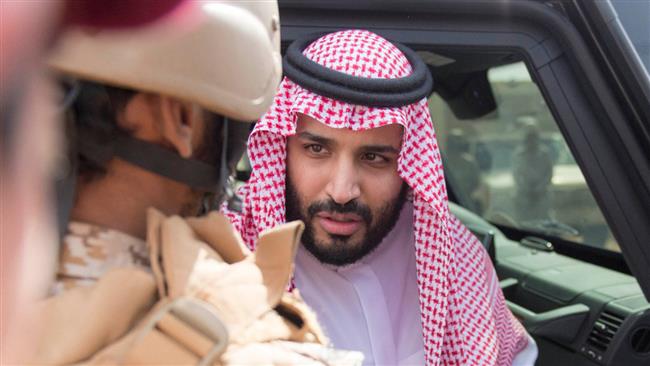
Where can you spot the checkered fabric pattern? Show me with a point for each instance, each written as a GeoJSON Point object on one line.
{"type": "Point", "coordinates": [464, 316]}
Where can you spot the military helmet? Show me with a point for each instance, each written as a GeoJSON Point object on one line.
{"type": "Point", "coordinates": [223, 55]}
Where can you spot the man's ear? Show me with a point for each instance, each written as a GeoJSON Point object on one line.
{"type": "Point", "coordinates": [178, 121]}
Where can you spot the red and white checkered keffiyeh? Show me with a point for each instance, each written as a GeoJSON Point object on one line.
{"type": "Point", "coordinates": [465, 320]}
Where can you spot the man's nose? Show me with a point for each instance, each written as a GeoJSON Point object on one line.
{"type": "Point", "coordinates": [343, 185]}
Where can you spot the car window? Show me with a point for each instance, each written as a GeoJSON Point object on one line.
{"type": "Point", "coordinates": [635, 17]}
{"type": "Point", "coordinates": [513, 167]}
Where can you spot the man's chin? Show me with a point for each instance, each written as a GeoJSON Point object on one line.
{"type": "Point", "coordinates": [336, 250]}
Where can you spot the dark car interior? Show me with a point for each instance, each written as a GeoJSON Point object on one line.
{"type": "Point", "coordinates": [583, 304]}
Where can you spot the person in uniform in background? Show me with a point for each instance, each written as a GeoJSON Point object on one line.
{"type": "Point", "coordinates": [348, 147]}
{"type": "Point", "coordinates": [532, 169]}
{"type": "Point", "coordinates": [152, 121]}
{"type": "Point", "coordinates": [465, 171]}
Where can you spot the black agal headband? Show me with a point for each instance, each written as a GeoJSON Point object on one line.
{"type": "Point", "coordinates": [372, 92]}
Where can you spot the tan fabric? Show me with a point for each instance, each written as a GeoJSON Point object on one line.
{"type": "Point", "coordinates": [161, 338]}
{"type": "Point", "coordinates": [244, 288]}
{"type": "Point", "coordinates": [104, 312]}
{"type": "Point", "coordinates": [84, 319]}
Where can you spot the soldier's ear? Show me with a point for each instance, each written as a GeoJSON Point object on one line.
{"type": "Point", "coordinates": [179, 124]}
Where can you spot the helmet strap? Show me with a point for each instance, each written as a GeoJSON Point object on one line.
{"type": "Point", "coordinates": [148, 156]}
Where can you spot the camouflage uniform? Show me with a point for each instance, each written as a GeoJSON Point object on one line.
{"type": "Point", "coordinates": [89, 251]}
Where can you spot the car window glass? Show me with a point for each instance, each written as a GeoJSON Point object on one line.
{"type": "Point", "coordinates": [635, 17]}
{"type": "Point", "coordinates": [513, 167]}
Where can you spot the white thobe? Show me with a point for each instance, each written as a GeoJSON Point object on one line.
{"type": "Point", "coordinates": [372, 305]}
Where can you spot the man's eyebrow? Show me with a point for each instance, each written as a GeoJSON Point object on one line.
{"type": "Point", "coordinates": [316, 138]}
{"type": "Point", "coordinates": [381, 149]}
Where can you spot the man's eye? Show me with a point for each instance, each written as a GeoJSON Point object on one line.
{"type": "Point", "coordinates": [314, 148]}
{"type": "Point", "coordinates": [374, 158]}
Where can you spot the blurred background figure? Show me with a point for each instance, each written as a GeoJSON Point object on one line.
{"type": "Point", "coordinates": [532, 172]}
{"type": "Point", "coordinates": [465, 170]}
{"type": "Point", "coordinates": [483, 156]}
{"type": "Point", "coordinates": [30, 136]}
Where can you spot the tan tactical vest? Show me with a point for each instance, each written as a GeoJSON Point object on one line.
{"type": "Point", "coordinates": [207, 301]}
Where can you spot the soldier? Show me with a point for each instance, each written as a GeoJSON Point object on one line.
{"type": "Point", "coordinates": [151, 119]}
{"type": "Point", "coordinates": [30, 134]}
{"type": "Point", "coordinates": [465, 172]}
{"type": "Point", "coordinates": [532, 169]}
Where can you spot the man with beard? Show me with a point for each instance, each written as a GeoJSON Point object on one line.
{"type": "Point", "coordinates": [348, 147]}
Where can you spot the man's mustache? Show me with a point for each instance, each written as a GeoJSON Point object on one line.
{"type": "Point", "coordinates": [354, 207]}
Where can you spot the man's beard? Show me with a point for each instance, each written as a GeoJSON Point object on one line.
{"type": "Point", "coordinates": [339, 251]}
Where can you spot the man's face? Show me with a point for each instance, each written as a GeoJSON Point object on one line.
{"type": "Point", "coordinates": [344, 185]}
